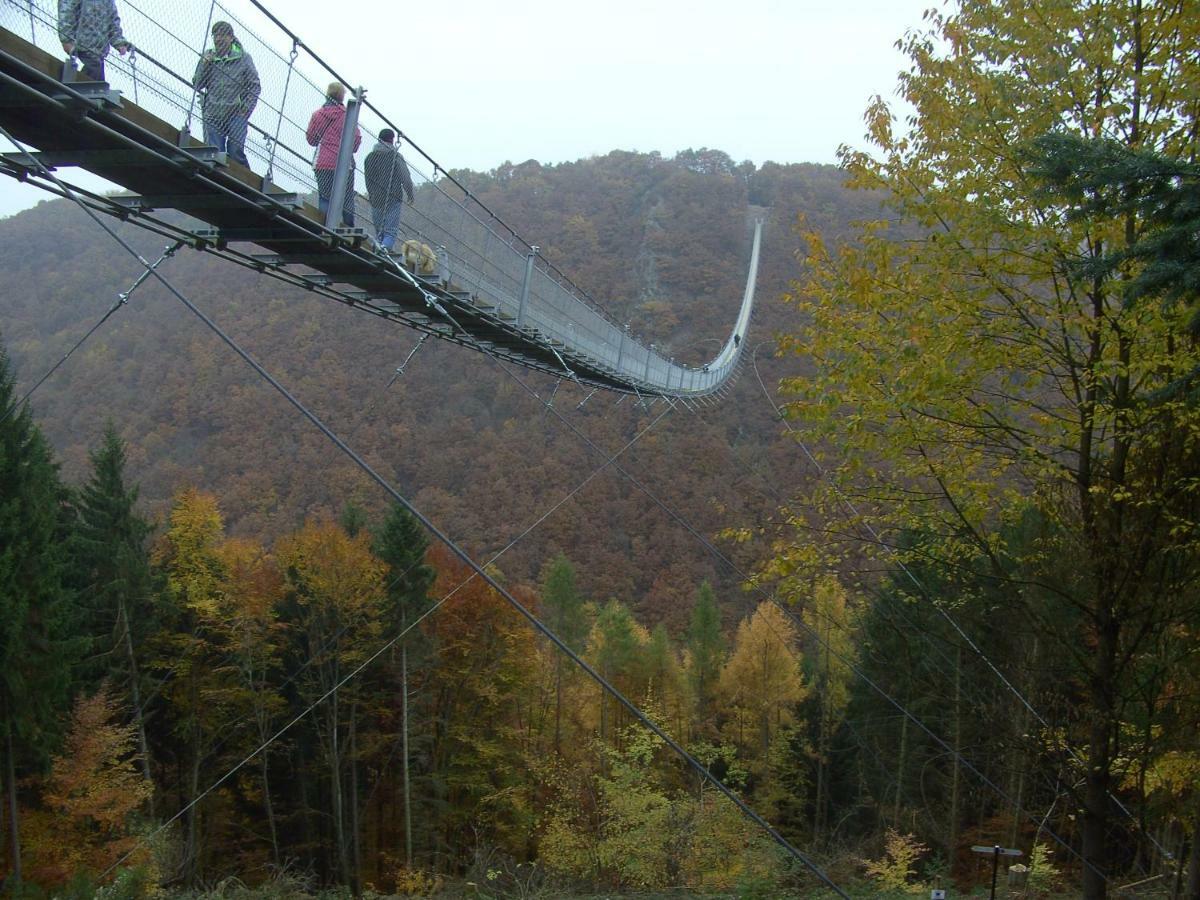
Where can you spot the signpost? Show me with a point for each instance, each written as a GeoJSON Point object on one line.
{"type": "Point", "coordinates": [995, 852]}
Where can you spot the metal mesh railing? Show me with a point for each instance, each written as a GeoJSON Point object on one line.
{"type": "Point", "coordinates": [475, 249]}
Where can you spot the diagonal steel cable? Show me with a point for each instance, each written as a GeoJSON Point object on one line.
{"type": "Point", "coordinates": [122, 299]}
{"type": "Point", "coordinates": [455, 549]}
{"type": "Point", "coordinates": [799, 623]}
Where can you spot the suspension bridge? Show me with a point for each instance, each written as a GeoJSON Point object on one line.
{"type": "Point", "coordinates": [489, 289]}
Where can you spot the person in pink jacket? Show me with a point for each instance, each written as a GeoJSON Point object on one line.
{"type": "Point", "coordinates": [325, 133]}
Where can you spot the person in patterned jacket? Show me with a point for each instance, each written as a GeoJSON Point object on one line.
{"type": "Point", "coordinates": [229, 85]}
{"type": "Point", "coordinates": [87, 29]}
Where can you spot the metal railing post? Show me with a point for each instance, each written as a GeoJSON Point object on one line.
{"type": "Point", "coordinates": [479, 273]}
{"type": "Point", "coordinates": [186, 131]}
{"type": "Point", "coordinates": [621, 347]}
{"type": "Point", "coordinates": [646, 374]}
{"type": "Point", "coordinates": [345, 159]}
{"type": "Point", "coordinates": [133, 55]}
{"type": "Point", "coordinates": [282, 103]}
{"type": "Point", "coordinates": [444, 267]}
{"type": "Point", "coordinates": [525, 285]}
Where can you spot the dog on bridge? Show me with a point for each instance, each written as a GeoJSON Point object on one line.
{"type": "Point", "coordinates": [419, 257]}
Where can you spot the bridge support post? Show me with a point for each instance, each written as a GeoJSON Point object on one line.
{"type": "Point", "coordinates": [621, 348]}
{"type": "Point", "coordinates": [345, 160]}
{"type": "Point", "coordinates": [282, 103]}
{"type": "Point", "coordinates": [533, 251]}
{"type": "Point", "coordinates": [646, 374]}
{"type": "Point", "coordinates": [185, 132]}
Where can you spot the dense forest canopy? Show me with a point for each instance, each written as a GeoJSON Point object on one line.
{"type": "Point", "coordinates": [944, 595]}
{"type": "Point", "coordinates": [660, 244]}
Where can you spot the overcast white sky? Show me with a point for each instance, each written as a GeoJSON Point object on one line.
{"type": "Point", "coordinates": [479, 82]}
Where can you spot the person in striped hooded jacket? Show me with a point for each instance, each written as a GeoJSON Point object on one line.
{"type": "Point", "coordinates": [88, 29]}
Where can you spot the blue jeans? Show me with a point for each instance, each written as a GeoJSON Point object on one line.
{"type": "Point", "coordinates": [228, 133]}
{"type": "Point", "coordinates": [93, 66]}
{"type": "Point", "coordinates": [387, 222]}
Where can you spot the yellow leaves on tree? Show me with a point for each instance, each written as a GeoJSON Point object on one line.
{"type": "Point", "coordinates": [486, 659]}
{"type": "Point", "coordinates": [977, 368]}
{"type": "Point", "coordinates": [335, 570]}
{"type": "Point", "coordinates": [830, 618]}
{"type": "Point", "coordinates": [189, 553]}
{"type": "Point", "coordinates": [91, 797]}
{"type": "Point", "coordinates": [963, 354]}
{"type": "Point", "coordinates": [761, 683]}
{"type": "Point", "coordinates": [893, 871]}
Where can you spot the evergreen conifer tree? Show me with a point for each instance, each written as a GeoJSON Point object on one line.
{"type": "Point", "coordinates": [401, 544]}
{"type": "Point", "coordinates": [564, 605]}
{"type": "Point", "coordinates": [112, 568]}
{"type": "Point", "coordinates": [706, 645]}
{"type": "Point", "coordinates": [565, 616]}
{"type": "Point", "coordinates": [36, 645]}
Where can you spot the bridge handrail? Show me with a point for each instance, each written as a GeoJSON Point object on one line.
{"type": "Point", "coordinates": [495, 262]}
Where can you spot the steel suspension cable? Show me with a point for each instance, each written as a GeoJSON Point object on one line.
{"type": "Point", "coordinates": [455, 549]}
{"type": "Point", "coordinates": [520, 608]}
{"type": "Point", "coordinates": [122, 299]}
{"type": "Point", "coordinates": [799, 623]}
{"type": "Point", "coordinates": [383, 649]}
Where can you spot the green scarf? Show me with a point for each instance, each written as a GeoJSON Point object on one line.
{"type": "Point", "coordinates": [235, 52]}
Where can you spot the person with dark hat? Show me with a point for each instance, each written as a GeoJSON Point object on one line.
{"type": "Point", "coordinates": [388, 182]}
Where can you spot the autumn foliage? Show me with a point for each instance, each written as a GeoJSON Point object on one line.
{"type": "Point", "coordinates": [90, 798]}
{"type": "Point", "coordinates": [953, 599]}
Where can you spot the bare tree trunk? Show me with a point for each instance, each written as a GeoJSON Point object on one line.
{"type": "Point", "coordinates": [356, 847]}
{"type": "Point", "coordinates": [270, 809]}
{"type": "Point", "coordinates": [823, 740]}
{"type": "Point", "coordinates": [1019, 756]}
{"type": "Point", "coordinates": [819, 803]}
{"type": "Point", "coordinates": [408, 837]}
{"type": "Point", "coordinates": [192, 852]}
{"type": "Point", "coordinates": [14, 816]}
{"type": "Point", "coordinates": [901, 762]}
{"type": "Point", "coordinates": [135, 696]}
{"type": "Point", "coordinates": [335, 786]}
{"type": "Point", "coordinates": [1096, 791]}
{"type": "Point", "coordinates": [955, 790]}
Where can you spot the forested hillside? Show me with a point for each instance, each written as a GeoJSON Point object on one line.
{"type": "Point", "coordinates": [968, 620]}
{"type": "Point", "coordinates": [662, 243]}
{"type": "Point", "coordinates": [254, 568]}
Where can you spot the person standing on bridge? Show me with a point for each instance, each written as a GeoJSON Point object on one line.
{"type": "Point", "coordinates": [229, 85]}
{"type": "Point", "coordinates": [325, 133]}
{"type": "Point", "coordinates": [388, 181]}
{"type": "Point", "coordinates": [87, 29]}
